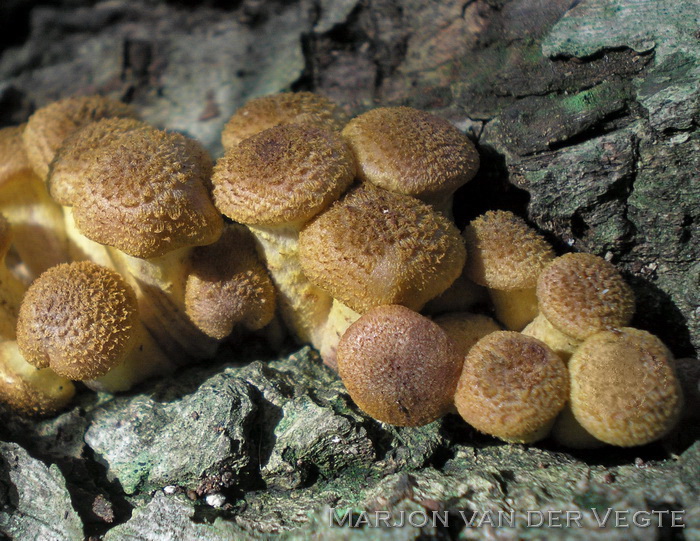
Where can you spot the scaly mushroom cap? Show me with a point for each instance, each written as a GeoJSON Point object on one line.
{"type": "Point", "coordinates": [286, 174]}
{"type": "Point", "coordinates": [581, 294]}
{"type": "Point", "coordinates": [78, 319]}
{"type": "Point", "coordinates": [137, 188]}
{"type": "Point", "coordinates": [376, 247]}
{"type": "Point", "coordinates": [624, 390]}
{"type": "Point", "coordinates": [13, 157]}
{"type": "Point", "coordinates": [259, 114]}
{"type": "Point", "coordinates": [398, 366]}
{"type": "Point", "coordinates": [48, 127]}
{"type": "Point", "coordinates": [466, 329]}
{"type": "Point", "coordinates": [228, 285]}
{"type": "Point", "coordinates": [412, 152]}
{"type": "Point", "coordinates": [512, 386]}
{"type": "Point", "coordinates": [504, 252]}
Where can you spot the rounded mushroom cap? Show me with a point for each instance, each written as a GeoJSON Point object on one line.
{"type": "Point", "coordinates": [283, 175]}
{"type": "Point", "coordinates": [466, 329]}
{"type": "Point", "coordinates": [624, 390]}
{"type": "Point", "coordinates": [265, 112]}
{"type": "Point", "coordinates": [13, 158]}
{"type": "Point", "coordinates": [581, 294]}
{"type": "Point", "coordinates": [228, 285]}
{"type": "Point", "coordinates": [376, 247]}
{"type": "Point", "coordinates": [48, 127]}
{"type": "Point", "coordinates": [137, 188]}
{"type": "Point", "coordinates": [412, 152]}
{"type": "Point", "coordinates": [504, 252]}
{"type": "Point", "coordinates": [512, 386]}
{"type": "Point", "coordinates": [78, 319]}
{"type": "Point", "coordinates": [398, 366]}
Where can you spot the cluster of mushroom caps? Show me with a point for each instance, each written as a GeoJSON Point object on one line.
{"type": "Point", "coordinates": [342, 228]}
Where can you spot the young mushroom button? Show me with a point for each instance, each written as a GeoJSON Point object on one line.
{"type": "Point", "coordinates": [398, 366]}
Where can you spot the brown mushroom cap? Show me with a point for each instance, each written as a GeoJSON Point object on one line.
{"type": "Point", "coordinates": [286, 174]}
{"type": "Point", "coordinates": [398, 366]}
{"type": "Point", "coordinates": [228, 285]}
{"type": "Point", "coordinates": [265, 112]}
{"type": "Point", "coordinates": [78, 319]}
{"type": "Point", "coordinates": [624, 390]}
{"type": "Point", "coordinates": [13, 158]}
{"type": "Point", "coordinates": [376, 247]}
{"type": "Point", "coordinates": [412, 152]}
{"type": "Point", "coordinates": [137, 188]}
{"type": "Point", "coordinates": [581, 294]}
{"type": "Point", "coordinates": [48, 127]}
{"type": "Point", "coordinates": [512, 386]}
{"type": "Point", "coordinates": [504, 252]}
{"type": "Point", "coordinates": [466, 329]}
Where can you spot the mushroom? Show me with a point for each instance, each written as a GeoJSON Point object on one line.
{"type": "Point", "coordinates": [375, 247]}
{"type": "Point", "coordinates": [466, 329]}
{"type": "Point", "coordinates": [22, 386]}
{"type": "Point", "coordinates": [37, 221]}
{"type": "Point", "coordinates": [507, 256]}
{"type": "Point", "coordinates": [81, 320]}
{"type": "Point", "coordinates": [49, 126]}
{"type": "Point", "coordinates": [143, 192]}
{"type": "Point", "coordinates": [512, 386]}
{"type": "Point", "coordinates": [579, 295]}
{"type": "Point", "coordinates": [398, 366]}
{"type": "Point", "coordinates": [265, 112]}
{"type": "Point", "coordinates": [228, 285]}
{"type": "Point", "coordinates": [412, 152]}
{"type": "Point", "coordinates": [624, 390]}
{"type": "Point", "coordinates": [274, 182]}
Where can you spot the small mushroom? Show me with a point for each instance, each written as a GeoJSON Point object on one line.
{"type": "Point", "coordinates": [398, 366]}
{"type": "Point", "coordinates": [466, 329]}
{"type": "Point", "coordinates": [37, 220]}
{"type": "Point", "coordinates": [507, 256]}
{"type": "Point", "coordinates": [412, 152]}
{"type": "Point", "coordinates": [81, 320]}
{"type": "Point", "coordinates": [274, 182]}
{"type": "Point", "coordinates": [578, 295]}
{"type": "Point", "coordinates": [228, 285]}
{"type": "Point", "coordinates": [265, 112]}
{"type": "Point", "coordinates": [49, 126]}
{"type": "Point", "coordinates": [145, 193]}
{"type": "Point", "coordinates": [512, 386]}
{"type": "Point", "coordinates": [624, 390]}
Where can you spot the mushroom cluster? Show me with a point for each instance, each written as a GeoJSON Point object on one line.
{"type": "Point", "coordinates": [145, 255]}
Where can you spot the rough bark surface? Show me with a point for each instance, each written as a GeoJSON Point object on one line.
{"type": "Point", "coordinates": [586, 116]}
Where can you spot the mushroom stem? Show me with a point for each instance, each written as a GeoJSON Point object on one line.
{"type": "Point", "coordinates": [562, 344]}
{"type": "Point", "coordinates": [515, 308]}
{"type": "Point", "coordinates": [31, 390]}
{"type": "Point", "coordinates": [82, 248]}
{"type": "Point", "coordinates": [159, 283]}
{"type": "Point", "coordinates": [339, 319]}
{"type": "Point", "coordinates": [303, 306]}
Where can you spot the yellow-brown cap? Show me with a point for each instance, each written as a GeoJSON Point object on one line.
{"type": "Point", "coordinates": [512, 386]}
{"type": "Point", "coordinates": [48, 127]}
{"type": "Point", "coordinates": [398, 366]}
{"type": "Point", "coordinates": [137, 188]}
{"type": "Point", "coordinates": [408, 151]}
{"type": "Point", "coordinates": [376, 247]}
{"type": "Point", "coordinates": [504, 252]}
{"type": "Point", "coordinates": [30, 390]}
{"type": "Point", "coordinates": [624, 390]}
{"type": "Point", "coordinates": [466, 329]}
{"type": "Point", "coordinates": [13, 158]}
{"type": "Point", "coordinates": [581, 294]}
{"type": "Point", "coordinates": [283, 175]}
{"type": "Point", "coordinates": [265, 112]}
{"type": "Point", "coordinates": [78, 319]}
{"type": "Point", "coordinates": [229, 285]}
